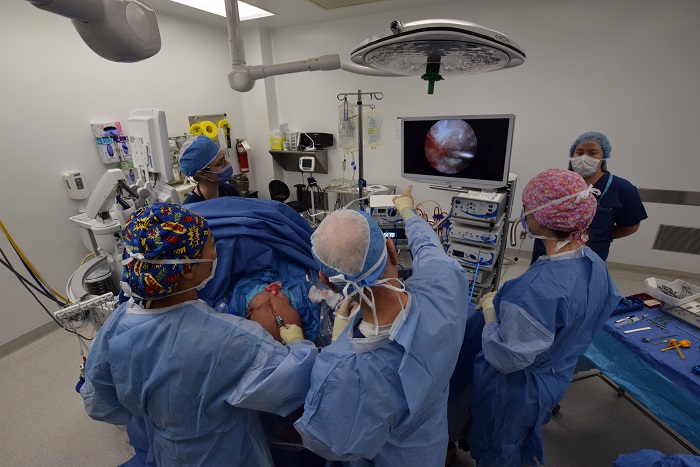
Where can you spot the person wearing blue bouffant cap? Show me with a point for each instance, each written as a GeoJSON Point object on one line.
{"type": "Point", "coordinates": [620, 209]}
{"type": "Point", "coordinates": [204, 161]}
{"type": "Point", "coordinates": [379, 392]}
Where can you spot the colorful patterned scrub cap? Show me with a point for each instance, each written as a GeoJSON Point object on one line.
{"type": "Point", "coordinates": [197, 154]}
{"type": "Point", "coordinates": [560, 200]}
{"type": "Point", "coordinates": [595, 137]}
{"type": "Point", "coordinates": [157, 238]}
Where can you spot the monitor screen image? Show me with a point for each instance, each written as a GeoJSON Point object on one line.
{"type": "Point", "coordinates": [471, 151]}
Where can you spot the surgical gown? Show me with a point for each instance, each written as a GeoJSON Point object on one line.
{"type": "Point", "coordinates": [199, 376]}
{"type": "Point", "coordinates": [382, 400]}
{"type": "Point", "coordinates": [547, 318]}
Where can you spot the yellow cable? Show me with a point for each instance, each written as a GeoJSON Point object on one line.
{"type": "Point", "coordinates": [86, 257]}
{"type": "Point", "coordinates": [209, 129]}
{"type": "Point", "coordinates": [196, 129]}
{"type": "Point", "coordinates": [29, 264]}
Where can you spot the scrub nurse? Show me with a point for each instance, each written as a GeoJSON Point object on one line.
{"type": "Point", "coordinates": [538, 324]}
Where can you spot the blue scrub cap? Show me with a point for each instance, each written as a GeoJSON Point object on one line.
{"type": "Point", "coordinates": [350, 243]}
{"type": "Point", "coordinates": [200, 152]}
{"type": "Point", "coordinates": [595, 137]}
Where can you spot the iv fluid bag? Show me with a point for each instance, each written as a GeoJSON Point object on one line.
{"type": "Point", "coordinates": [372, 127]}
{"type": "Point", "coordinates": [347, 127]}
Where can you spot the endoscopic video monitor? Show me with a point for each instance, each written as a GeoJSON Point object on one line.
{"type": "Point", "coordinates": [470, 151]}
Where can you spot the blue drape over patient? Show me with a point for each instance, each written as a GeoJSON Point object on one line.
{"type": "Point", "coordinates": [259, 239]}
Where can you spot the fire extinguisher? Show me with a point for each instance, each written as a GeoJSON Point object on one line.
{"type": "Point", "coordinates": [242, 156]}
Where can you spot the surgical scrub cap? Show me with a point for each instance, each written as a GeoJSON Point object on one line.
{"type": "Point", "coordinates": [572, 214]}
{"type": "Point", "coordinates": [595, 137]}
{"type": "Point", "coordinates": [161, 231]}
{"type": "Point", "coordinates": [196, 154]}
{"type": "Point", "coordinates": [350, 243]}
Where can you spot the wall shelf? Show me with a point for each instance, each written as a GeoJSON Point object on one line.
{"type": "Point", "coordinates": [289, 160]}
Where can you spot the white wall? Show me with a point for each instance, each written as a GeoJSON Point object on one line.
{"type": "Point", "coordinates": [52, 87]}
{"type": "Point", "coordinates": [624, 68]}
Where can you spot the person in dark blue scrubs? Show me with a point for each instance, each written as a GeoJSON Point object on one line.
{"type": "Point", "coordinates": [620, 209]}
{"type": "Point", "coordinates": [203, 160]}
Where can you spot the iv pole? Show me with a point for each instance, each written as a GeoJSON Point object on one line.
{"type": "Point", "coordinates": [372, 95]}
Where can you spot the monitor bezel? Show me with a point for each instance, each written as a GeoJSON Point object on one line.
{"type": "Point", "coordinates": [455, 182]}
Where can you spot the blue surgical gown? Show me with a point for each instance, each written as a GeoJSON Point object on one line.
{"type": "Point", "coordinates": [198, 376]}
{"type": "Point", "coordinates": [547, 318]}
{"type": "Point", "coordinates": [383, 400]}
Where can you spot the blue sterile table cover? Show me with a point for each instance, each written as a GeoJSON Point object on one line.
{"type": "Point", "coordinates": [662, 381]}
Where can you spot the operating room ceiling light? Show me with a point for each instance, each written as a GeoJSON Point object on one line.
{"type": "Point", "coordinates": [433, 48]}
{"type": "Point", "coordinates": [430, 49]}
{"type": "Point", "coordinates": [218, 7]}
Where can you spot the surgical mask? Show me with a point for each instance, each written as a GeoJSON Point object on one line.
{"type": "Point", "coordinates": [340, 279]}
{"type": "Point", "coordinates": [225, 174]}
{"type": "Point", "coordinates": [209, 277]}
{"type": "Point", "coordinates": [585, 165]}
{"type": "Point", "coordinates": [198, 287]}
{"type": "Point", "coordinates": [529, 234]}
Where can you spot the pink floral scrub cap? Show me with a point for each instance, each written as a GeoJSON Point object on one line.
{"type": "Point", "coordinates": [560, 200]}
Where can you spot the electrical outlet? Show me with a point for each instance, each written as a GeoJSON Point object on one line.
{"type": "Point", "coordinates": [523, 235]}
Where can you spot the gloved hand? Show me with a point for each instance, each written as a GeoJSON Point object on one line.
{"type": "Point", "coordinates": [404, 204]}
{"type": "Point", "coordinates": [342, 317]}
{"type": "Point", "coordinates": [486, 305]}
{"type": "Point", "coordinates": [347, 307]}
{"type": "Point", "coordinates": [291, 334]}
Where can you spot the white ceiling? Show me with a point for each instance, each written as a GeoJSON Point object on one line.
{"type": "Point", "coordinates": [292, 12]}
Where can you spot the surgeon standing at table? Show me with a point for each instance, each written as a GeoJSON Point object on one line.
{"type": "Point", "coordinates": [538, 324]}
{"type": "Point", "coordinates": [379, 393]}
{"type": "Point", "coordinates": [620, 209]}
{"type": "Point", "coordinates": [204, 161]}
{"type": "Point", "coordinates": [198, 376]}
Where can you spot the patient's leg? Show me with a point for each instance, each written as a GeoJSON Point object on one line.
{"type": "Point", "coordinates": [268, 303]}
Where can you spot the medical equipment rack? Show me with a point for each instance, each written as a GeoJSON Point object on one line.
{"type": "Point", "coordinates": [494, 210]}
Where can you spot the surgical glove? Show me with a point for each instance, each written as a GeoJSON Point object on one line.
{"type": "Point", "coordinates": [291, 334]}
{"type": "Point", "coordinates": [486, 305]}
{"type": "Point", "coordinates": [347, 308]}
{"type": "Point", "coordinates": [339, 326]}
{"type": "Point", "coordinates": [342, 317]}
{"type": "Point", "coordinates": [404, 204]}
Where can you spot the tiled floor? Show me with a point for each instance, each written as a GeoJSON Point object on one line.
{"type": "Point", "coordinates": [43, 421]}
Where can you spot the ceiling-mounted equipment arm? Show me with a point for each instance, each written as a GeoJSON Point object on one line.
{"type": "Point", "coordinates": [242, 77]}
{"type": "Point", "coordinates": [120, 31]}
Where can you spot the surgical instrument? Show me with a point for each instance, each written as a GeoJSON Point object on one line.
{"type": "Point", "coordinates": [629, 320]}
{"type": "Point", "coordinates": [685, 330]}
{"type": "Point", "coordinates": [660, 321]}
{"type": "Point", "coordinates": [674, 344]}
{"type": "Point", "coordinates": [652, 339]}
{"type": "Point", "coordinates": [278, 320]}
{"type": "Point", "coordinates": [636, 330]}
{"type": "Point", "coordinates": [661, 342]}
